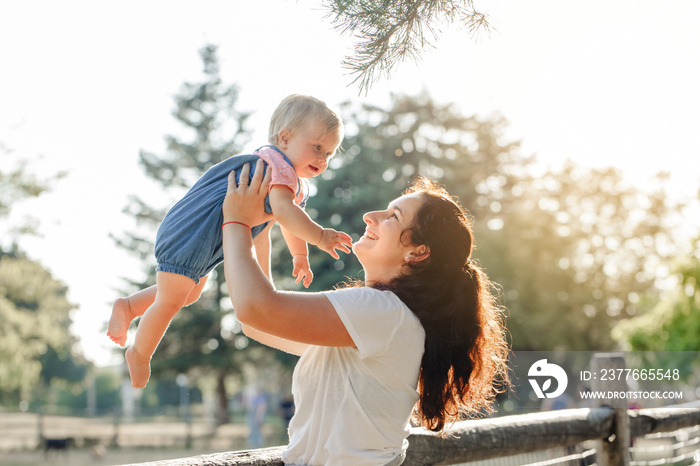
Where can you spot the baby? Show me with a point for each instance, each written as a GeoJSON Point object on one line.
{"type": "Point", "coordinates": [304, 134]}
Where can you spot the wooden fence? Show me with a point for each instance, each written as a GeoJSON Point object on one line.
{"type": "Point", "coordinates": [611, 425]}
{"type": "Point", "coordinates": [498, 437]}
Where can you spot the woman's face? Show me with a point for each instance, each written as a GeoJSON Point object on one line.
{"type": "Point", "coordinates": [381, 250]}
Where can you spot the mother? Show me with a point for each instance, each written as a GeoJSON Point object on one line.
{"type": "Point", "coordinates": [421, 338]}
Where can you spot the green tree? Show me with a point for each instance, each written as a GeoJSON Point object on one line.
{"type": "Point", "coordinates": [203, 338]}
{"type": "Point", "coordinates": [17, 184]}
{"type": "Point", "coordinates": [386, 148]}
{"type": "Point", "coordinates": [35, 313]}
{"type": "Point", "coordinates": [62, 363]}
{"type": "Point", "coordinates": [34, 308]}
{"type": "Point", "coordinates": [578, 249]}
{"type": "Point", "coordinates": [571, 249]}
{"type": "Point", "coordinates": [673, 322]}
{"type": "Point", "coordinates": [106, 386]}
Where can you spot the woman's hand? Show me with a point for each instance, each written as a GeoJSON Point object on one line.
{"type": "Point", "coordinates": [288, 321]}
{"type": "Point", "coordinates": [244, 202]}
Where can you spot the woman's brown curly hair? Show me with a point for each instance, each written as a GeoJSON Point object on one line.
{"type": "Point", "coordinates": [464, 364]}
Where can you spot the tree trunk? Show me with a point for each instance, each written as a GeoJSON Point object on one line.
{"type": "Point", "coordinates": [222, 414]}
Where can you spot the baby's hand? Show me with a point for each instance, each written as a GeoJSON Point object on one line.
{"type": "Point", "coordinates": [302, 270]}
{"type": "Point", "coordinates": [332, 240]}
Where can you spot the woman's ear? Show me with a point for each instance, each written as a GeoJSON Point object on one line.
{"type": "Point", "coordinates": [419, 253]}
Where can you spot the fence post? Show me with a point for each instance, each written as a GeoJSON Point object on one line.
{"type": "Point", "coordinates": [608, 376]}
{"type": "Point", "coordinates": [40, 425]}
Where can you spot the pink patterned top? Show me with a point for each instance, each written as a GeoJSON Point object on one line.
{"type": "Point", "coordinates": [283, 173]}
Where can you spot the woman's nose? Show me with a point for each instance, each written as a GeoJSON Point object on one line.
{"type": "Point", "coordinates": [369, 218]}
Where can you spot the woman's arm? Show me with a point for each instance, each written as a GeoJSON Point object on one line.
{"type": "Point", "coordinates": [272, 341]}
{"type": "Point", "coordinates": [307, 318]}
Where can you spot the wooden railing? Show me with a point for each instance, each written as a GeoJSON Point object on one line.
{"type": "Point", "coordinates": [611, 425]}
{"type": "Point", "coordinates": [497, 437]}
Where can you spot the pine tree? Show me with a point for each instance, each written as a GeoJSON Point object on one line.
{"type": "Point", "coordinates": [214, 130]}
{"type": "Point", "coordinates": [390, 147]}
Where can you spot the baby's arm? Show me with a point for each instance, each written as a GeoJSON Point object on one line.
{"type": "Point", "coordinates": [262, 253]}
{"type": "Point", "coordinates": [300, 257]}
{"type": "Point", "coordinates": [262, 249]}
{"type": "Point", "coordinates": [294, 219]}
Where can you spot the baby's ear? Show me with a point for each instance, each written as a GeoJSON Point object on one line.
{"type": "Point", "coordinates": [283, 138]}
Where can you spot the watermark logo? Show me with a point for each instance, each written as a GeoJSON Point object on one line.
{"type": "Point", "coordinates": [542, 371]}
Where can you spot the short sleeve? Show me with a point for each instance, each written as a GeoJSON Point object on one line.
{"type": "Point", "coordinates": [282, 173]}
{"type": "Point", "coordinates": [372, 318]}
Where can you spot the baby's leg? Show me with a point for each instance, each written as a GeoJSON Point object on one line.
{"type": "Point", "coordinates": [172, 293]}
{"type": "Point", "coordinates": [196, 291]}
{"type": "Point", "coordinates": [127, 309]}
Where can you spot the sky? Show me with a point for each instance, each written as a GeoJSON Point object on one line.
{"type": "Point", "coordinates": [85, 86]}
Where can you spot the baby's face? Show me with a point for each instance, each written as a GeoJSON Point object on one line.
{"type": "Point", "coordinates": [309, 149]}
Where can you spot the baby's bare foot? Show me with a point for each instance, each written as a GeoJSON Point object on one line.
{"type": "Point", "coordinates": [139, 367]}
{"type": "Point", "coordinates": [120, 321]}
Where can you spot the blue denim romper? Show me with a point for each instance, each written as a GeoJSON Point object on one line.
{"type": "Point", "coordinates": [189, 241]}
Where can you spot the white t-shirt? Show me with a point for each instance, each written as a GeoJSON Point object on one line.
{"type": "Point", "coordinates": [353, 405]}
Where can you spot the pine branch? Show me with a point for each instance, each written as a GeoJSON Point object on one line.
{"type": "Point", "coordinates": [393, 31]}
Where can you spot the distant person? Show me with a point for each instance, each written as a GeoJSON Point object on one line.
{"type": "Point", "coordinates": [256, 410]}
{"type": "Point", "coordinates": [563, 401]}
{"type": "Point", "coordinates": [304, 135]}
{"type": "Point", "coordinates": [287, 409]}
{"type": "Point", "coordinates": [423, 331]}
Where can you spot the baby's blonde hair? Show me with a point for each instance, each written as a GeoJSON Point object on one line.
{"type": "Point", "coordinates": [296, 111]}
